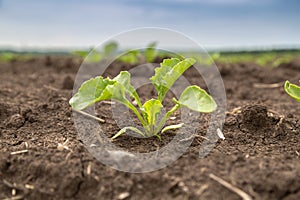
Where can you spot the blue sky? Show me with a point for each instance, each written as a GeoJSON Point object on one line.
{"type": "Point", "coordinates": [212, 23]}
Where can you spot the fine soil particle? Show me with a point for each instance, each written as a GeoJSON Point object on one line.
{"type": "Point", "coordinates": [43, 158]}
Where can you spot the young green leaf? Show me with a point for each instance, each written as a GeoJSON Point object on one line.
{"type": "Point", "coordinates": [123, 130]}
{"type": "Point", "coordinates": [124, 79]}
{"type": "Point", "coordinates": [114, 92]}
{"type": "Point", "coordinates": [292, 90]}
{"type": "Point", "coordinates": [99, 89]}
{"type": "Point", "coordinates": [160, 72]}
{"type": "Point", "coordinates": [176, 126]}
{"type": "Point", "coordinates": [117, 92]}
{"type": "Point", "coordinates": [151, 109]}
{"type": "Point", "coordinates": [165, 118]}
{"type": "Point", "coordinates": [197, 99]}
{"type": "Point", "coordinates": [89, 92]}
{"type": "Point", "coordinates": [166, 75]}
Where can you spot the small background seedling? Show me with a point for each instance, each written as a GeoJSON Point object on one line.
{"type": "Point", "coordinates": [92, 55]}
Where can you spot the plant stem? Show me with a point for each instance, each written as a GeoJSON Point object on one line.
{"type": "Point", "coordinates": [165, 118]}
{"type": "Point", "coordinates": [136, 112]}
{"type": "Point", "coordinates": [150, 132]}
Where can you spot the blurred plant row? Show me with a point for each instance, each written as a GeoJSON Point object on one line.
{"type": "Point", "coordinates": [111, 50]}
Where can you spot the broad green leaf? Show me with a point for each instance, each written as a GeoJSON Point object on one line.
{"type": "Point", "coordinates": [151, 109]}
{"type": "Point", "coordinates": [166, 75]}
{"type": "Point", "coordinates": [292, 90]}
{"type": "Point", "coordinates": [176, 126]}
{"type": "Point", "coordinates": [150, 52]}
{"type": "Point", "coordinates": [98, 89]}
{"type": "Point", "coordinates": [89, 92]}
{"type": "Point", "coordinates": [197, 99]}
{"type": "Point", "coordinates": [124, 79]}
{"type": "Point", "coordinates": [123, 130]}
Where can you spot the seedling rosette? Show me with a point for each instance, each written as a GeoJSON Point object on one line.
{"type": "Point", "coordinates": [117, 89]}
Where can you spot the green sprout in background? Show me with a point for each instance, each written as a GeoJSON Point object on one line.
{"type": "Point", "coordinates": [100, 89]}
{"type": "Point", "coordinates": [14, 56]}
{"type": "Point", "coordinates": [110, 48]}
{"type": "Point", "coordinates": [93, 56]}
{"type": "Point", "coordinates": [150, 53]}
{"type": "Point", "coordinates": [133, 56]}
{"type": "Point", "coordinates": [262, 58]}
{"type": "Point", "coordinates": [130, 57]}
{"type": "Point", "coordinates": [7, 56]}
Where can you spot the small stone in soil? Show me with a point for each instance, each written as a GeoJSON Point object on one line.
{"type": "Point", "coordinates": [123, 195]}
{"type": "Point", "coordinates": [16, 121]}
{"type": "Point", "coordinates": [68, 83]}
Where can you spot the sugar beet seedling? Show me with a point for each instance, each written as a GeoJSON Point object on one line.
{"type": "Point", "coordinates": [100, 89]}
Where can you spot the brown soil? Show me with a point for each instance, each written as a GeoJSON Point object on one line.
{"type": "Point", "coordinates": [260, 154]}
